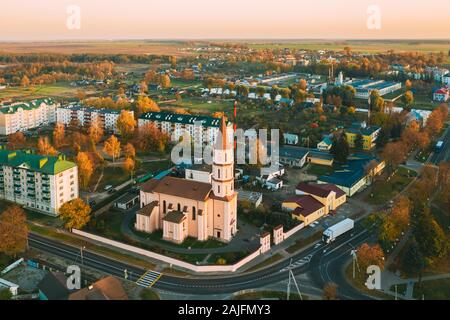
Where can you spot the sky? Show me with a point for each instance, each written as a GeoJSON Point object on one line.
{"type": "Point", "coordinates": [224, 19]}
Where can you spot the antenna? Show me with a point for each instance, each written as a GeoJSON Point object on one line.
{"type": "Point", "coordinates": [291, 275]}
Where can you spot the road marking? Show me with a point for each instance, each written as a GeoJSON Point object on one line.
{"type": "Point", "coordinates": [148, 279]}
{"type": "Point", "coordinates": [298, 263]}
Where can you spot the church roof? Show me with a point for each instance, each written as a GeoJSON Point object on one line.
{"type": "Point", "coordinates": [174, 217]}
{"type": "Point", "coordinates": [188, 189]}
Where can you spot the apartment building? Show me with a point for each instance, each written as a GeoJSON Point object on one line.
{"type": "Point", "coordinates": [201, 128]}
{"type": "Point", "coordinates": [86, 115]}
{"type": "Point", "coordinates": [42, 183]}
{"type": "Point", "coordinates": [22, 116]}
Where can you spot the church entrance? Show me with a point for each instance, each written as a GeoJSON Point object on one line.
{"type": "Point", "coordinates": [218, 234]}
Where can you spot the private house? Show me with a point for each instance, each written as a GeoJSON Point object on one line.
{"type": "Point", "coordinates": [23, 116]}
{"type": "Point", "coordinates": [369, 135]}
{"type": "Point", "coordinates": [321, 158]}
{"type": "Point", "coordinates": [203, 129]}
{"type": "Point", "coordinates": [325, 144]}
{"type": "Point", "coordinates": [293, 156]}
{"type": "Point", "coordinates": [304, 208]}
{"type": "Point", "coordinates": [42, 183]}
{"type": "Point", "coordinates": [441, 95]}
{"type": "Point", "coordinates": [54, 287]}
{"type": "Point", "coordinates": [328, 194]}
{"type": "Point", "coordinates": [290, 138]}
{"type": "Point", "coordinates": [184, 208]}
{"type": "Point", "coordinates": [108, 288]}
{"type": "Point", "coordinates": [199, 172]}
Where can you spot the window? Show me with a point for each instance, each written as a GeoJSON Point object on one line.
{"type": "Point", "coordinates": [218, 189]}
{"type": "Point", "coordinates": [218, 173]}
{"type": "Point", "coordinates": [164, 206]}
{"type": "Point", "coordinates": [179, 207]}
{"type": "Point", "coordinates": [193, 213]}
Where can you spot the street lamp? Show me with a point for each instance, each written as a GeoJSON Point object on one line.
{"type": "Point", "coordinates": [81, 254]}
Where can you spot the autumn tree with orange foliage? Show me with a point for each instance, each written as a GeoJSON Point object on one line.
{"type": "Point", "coordinates": [95, 131]}
{"type": "Point", "coordinates": [129, 165]}
{"type": "Point", "coordinates": [149, 138]}
{"type": "Point", "coordinates": [370, 255]}
{"type": "Point", "coordinates": [13, 231]}
{"type": "Point", "coordinates": [145, 104]}
{"type": "Point", "coordinates": [394, 153]}
{"type": "Point", "coordinates": [17, 140]}
{"type": "Point", "coordinates": [330, 291]}
{"type": "Point", "coordinates": [129, 151]}
{"type": "Point", "coordinates": [126, 124]}
{"type": "Point", "coordinates": [85, 168]}
{"type": "Point", "coordinates": [76, 214]}
{"type": "Point", "coordinates": [112, 147]}
{"type": "Point", "coordinates": [45, 147]}
{"type": "Point", "coordinates": [58, 135]}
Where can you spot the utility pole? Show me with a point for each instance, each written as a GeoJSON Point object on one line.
{"type": "Point", "coordinates": [81, 254]}
{"type": "Point", "coordinates": [354, 261]}
{"type": "Point", "coordinates": [291, 274]}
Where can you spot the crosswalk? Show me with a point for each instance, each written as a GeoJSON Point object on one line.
{"type": "Point", "coordinates": [298, 263]}
{"type": "Point", "coordinates": [148, 279]}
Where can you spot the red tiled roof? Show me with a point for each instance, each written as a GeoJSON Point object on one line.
{"type": "Point", "coordinates": [332, 187]}
{"type": "Point", "coordinates": [314, 189]}
{"type": "Point", "coordinates": [307, 205]}
{"type": "Point", "coordinates": [188, 189]}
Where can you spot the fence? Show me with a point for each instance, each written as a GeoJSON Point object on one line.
{"type": "Point", "coordinates": [172, 261]}
{"type": "Point", "coordinates": [294, 230]}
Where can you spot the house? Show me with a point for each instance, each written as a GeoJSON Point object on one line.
{"type": "Point", "coordinates": [273, 184]}
{"type": "Point", "coordinates": [441, 95]}
{"type": "Point", "coordinates": [290, 138]}
{"type": "Point", "coordinates": [321, 158]}
{"type": "Point", "coordinates": [304, 208]}
{"type": "Point", "coordinates": [54, 287]}
{"type": "Point", "coordinates": [127, 201]}
{"type": "Point", "coordinates": [108, 288]}
{"type": "Point", "coordinates": [328, 194]}
{"type": "Point", "coordinates": [369, 135]}
{"type": "Point", "coordinates": [446, 79]}
{"type": "Point", "coordinates": [199, 172]}
{"type": "Point", "coordinates": [352, 176]}
{"type": "Point", "coordinates": [185, 207]}
{"type": "Point", "coordinates": [325, 144]}
{"type": "Point", "coordinates": [286, 102]}
{"type": "Point", "coordinates": [253, 197]}
{"type": "Point", "coordinates": [293, 156]}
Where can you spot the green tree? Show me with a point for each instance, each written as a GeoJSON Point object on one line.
{"type": "Point", "coordinates": [430, 238]}
{"type": "Point", "coordinates": [340, 148]}
{"type": "Point", "coordinates": [5, 294]}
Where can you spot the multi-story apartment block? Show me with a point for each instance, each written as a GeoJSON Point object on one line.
{"type": "Point", "coordinates": [42, 183]}
{"type": "Point", "coordinates": [87, 115]}
{"type": "Point", "coordinates": [201, 128]}
{"type": "Point", "coordinates": [26, 115]}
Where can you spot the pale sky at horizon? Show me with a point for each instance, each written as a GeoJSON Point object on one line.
{"type": "Point", "coordinates": [220, 19]}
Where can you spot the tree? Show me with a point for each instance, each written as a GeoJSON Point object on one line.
{"type": "Point", "coordinates": [25, 82]}
{"type": "Point", "coordinates": [16, 140]}
{"type": "Point", "coordinates": [45, 148]}
{"type": "Point", "coordinates": [145, 104]}
{"type": "Point", "coordinates": [414, 261]}
{"type": "Point", "coordinates": [85, 168]}
{"type": "Point", "coordinates": [13, 231]}
{"type": "Point", "coordinates": [430, 238]}
{"type": "Point", "coordinates": [330, 291]}
{"type": "Point", "coordinates": [359, 141]}
{"type": "Point", "coordinates": [408, 98]}
{"type": "Point", "coordinates": [58, 135]}
{"type": "Point", "coordinates": [340, 148]}
{"type": "Point", "coordinates": [394, 153]}
{"type": "Point", "coordinates": [401, 212]}
{"type": "Point", "coordinates": [5, 294]}
{"type": "Point", "coordinates": [75, 213]}
{"type": "Point", "coordinates": [143, 87]}
{"type": "Point", "coordinates": [376, 102]}
{"type": "Point", "coordinates": [129, 165]}
{"type": "Point", "coordinates": [126, 124]}
{"type": "Point", "coordinates": [112, 147]}
{"type": "Point", "coordinates": [165, 81]}
{"type": "Point", "coordinates": [129, 151]}
{"type": "Point", "coordinates": [95, 131]}
{"type": "Point", "coordinates": [370, 255]}
{"type": "Point", "coordinates": [148, 138]}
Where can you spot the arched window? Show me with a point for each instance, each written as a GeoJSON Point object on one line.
{"type": "Point", "coordinates": [218, 173]}
{"type": "Point", "coordinates": [218, 189]}
{"type": "Point", "coordinates": [193, 213]}
{"type": "Point", "coordinates": [179, 207]}
{"type": "Point", "coordinates": [164, 206]}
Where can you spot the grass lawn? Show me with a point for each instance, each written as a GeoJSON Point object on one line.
{"type": "Point", "coordinates": [181, 83]}
{"type": "Point", "coordinates": [153, 167]}
{"type": "Point", "coordinates": [386, 189]}
{"type": "Point", "coordinates": [319, 170]}
{"type": "Point", "coordinates": [114, 175]}
{"type": "Point", "coordinates": [432, 290]}
{"type": "Point", "coordinates": [401, 288]}
{"type": "Point", "coordinates": [201, 105]}
{"type": "Point", "coordinates": [4, 261]}
{"type": "Point", "coordinates": [148, 294]}
{"type": "Point", "coordinates": [304, 242]}
{"type": "Point", "coordinates": [276, 257]}
{"type": "Point", "coordinates": [273, 295]}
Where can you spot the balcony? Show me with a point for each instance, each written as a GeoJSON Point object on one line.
{"type": "Point", "coordinates": [17, 191]}
{"type": "Point", "coordinates": [46, 199]}
{"type": "Point", "coordinates": [45, 178]}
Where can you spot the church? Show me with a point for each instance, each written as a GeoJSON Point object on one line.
{"type": "Point", "coordinates": [193, 208]}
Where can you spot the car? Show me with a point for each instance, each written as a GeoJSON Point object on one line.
{"type": "Point", "coordinates": [92, 203]}
{"type": "Point", "coordinates": [108, 187]}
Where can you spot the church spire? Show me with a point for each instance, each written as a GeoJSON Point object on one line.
{"type": "Point", "coordinates": [223, 131]}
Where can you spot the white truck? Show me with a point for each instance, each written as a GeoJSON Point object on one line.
{"type": "Point", "coordinates": [338, 229]}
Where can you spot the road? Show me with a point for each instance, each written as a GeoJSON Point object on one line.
{"type": "Point", "coordinates": [444, 154]}
{"type": "Point", "coordinates": [322, 261]}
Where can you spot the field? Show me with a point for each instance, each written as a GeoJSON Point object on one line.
{"type": "Point", "coordinates": [101, 47]}
{"type": "Point", "coordinates": [433, 290]}
{"type": "Point", "coordinates": [57, 90]}
{"type": "Point", "coordinates": [200, 105]}
{"type": "Point", "coordinates": [372, 46]}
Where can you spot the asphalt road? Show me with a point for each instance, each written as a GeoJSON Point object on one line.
{"type": "Point", "coordinates": [444, 153]}
{"type": "Point", "coordinates": [324, 262]}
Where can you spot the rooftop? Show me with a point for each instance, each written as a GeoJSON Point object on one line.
{"type": "Point", "coordinates": [189, 189]}
{"type": "Point", "coordinates": [11, 109]}
{"type": "Point", "coordinates": [182, 118]}
{"type": "Point", "coordinates": [174, 217]}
